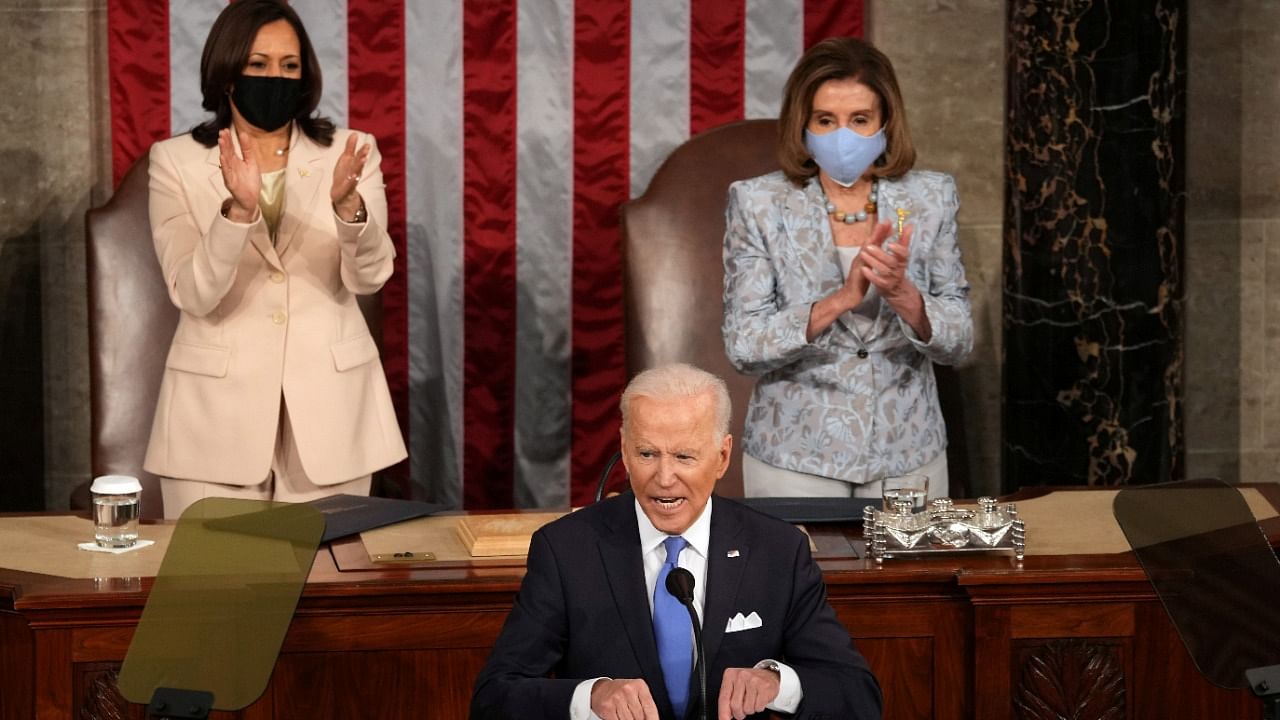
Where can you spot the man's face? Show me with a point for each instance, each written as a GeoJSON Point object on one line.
{"type": "Point", "coordinates": [671, 453]}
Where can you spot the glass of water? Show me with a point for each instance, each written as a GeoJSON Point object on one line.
{"type": "Point", "coordinates": [905, 487]}
{"type": "Point", "coordinates": [115, 510]}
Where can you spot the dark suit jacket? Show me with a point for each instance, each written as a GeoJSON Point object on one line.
{"type": "Point", "coordinates": [582, 612]}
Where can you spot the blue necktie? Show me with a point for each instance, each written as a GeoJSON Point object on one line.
{"type": "Point", "coordinates": [673, 631]}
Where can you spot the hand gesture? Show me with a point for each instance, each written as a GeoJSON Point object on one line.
{"type": "Point", "coordinates": [240, 175]}
{"type": "Point", "coordinates": [346, 176]}
{"type": "Point", "coordinates": [856, 282]}
{"type": "Point", "coordinates": [746, 691]}
{"type": "Point", "coordinates": [885, 267]}
{"type": "Point", "coordinates": [623, 700]}
{"type": "Point", "coordinates": [850, 295]}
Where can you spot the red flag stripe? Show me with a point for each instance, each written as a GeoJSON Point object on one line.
{"type": "Point", "coordinates": [376, 104]}
{"type": "Point", "coordinates": [601, 80]}
{"type": "Point", "coordinates": [717, 45]}
{"type": "Point", "coordinates": [489, 251]}
{"type": "Point", "coordinates": [827, 18]}
{"type": "Point", "coordinates": [138, 58]}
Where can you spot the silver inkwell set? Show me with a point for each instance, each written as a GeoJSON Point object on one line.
{"type": "Point", "coordinates": [900, 531]}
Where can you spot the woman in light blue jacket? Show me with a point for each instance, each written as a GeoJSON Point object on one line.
{"type": "Point", "coordinates": [843, 285]}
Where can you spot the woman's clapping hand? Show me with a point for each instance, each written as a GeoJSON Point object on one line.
{"type": "Point", "coordinates": [241, 175]}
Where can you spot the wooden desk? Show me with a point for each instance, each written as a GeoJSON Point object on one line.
{"type": "Point", "coordinates": [974, 637]}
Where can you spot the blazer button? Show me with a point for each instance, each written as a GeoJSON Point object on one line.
{"type": "Point", "coordinates": [277, 277]}
{"type": "Point", "coordinates": [278, 317]}
{"type": "Point", "coordinates": [862, 354]}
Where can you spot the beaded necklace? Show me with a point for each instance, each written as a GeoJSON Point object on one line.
{"type": "Point", "coordinates": [866, 211]}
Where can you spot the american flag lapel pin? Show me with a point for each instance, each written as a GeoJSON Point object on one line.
{"type": "Point", "coordinates": [732, 554]}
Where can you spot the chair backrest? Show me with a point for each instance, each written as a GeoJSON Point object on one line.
{"type": "Point", "coordinates": [673, 274]}
{"type": "Point", "coordinates": [131, 322]}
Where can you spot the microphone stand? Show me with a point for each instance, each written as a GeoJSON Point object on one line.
{"type": "Point", "coordinates": [604, 476]}
{"type": "Point", "coordinates": [680, 585]}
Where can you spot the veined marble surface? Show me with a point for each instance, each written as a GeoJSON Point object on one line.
{"type": "Point", "coordinates": [1094, 233]}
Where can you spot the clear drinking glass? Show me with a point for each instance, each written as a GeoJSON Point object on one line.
{"type": "Point", "coordinates": [913, 487]}
{"type": "Point", "coordinates": [115, 510]}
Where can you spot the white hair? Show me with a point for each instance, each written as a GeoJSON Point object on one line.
{"type": "Point", "coordinates": [680, 380]}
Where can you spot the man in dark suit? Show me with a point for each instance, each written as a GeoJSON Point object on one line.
{"type": "Point", "coordinates": [595, 614]}
{"type": "Point", "coordinates": [594, 633]}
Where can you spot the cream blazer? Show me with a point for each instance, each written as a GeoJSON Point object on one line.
{"type": "Point", "coordinates": [259, 322]}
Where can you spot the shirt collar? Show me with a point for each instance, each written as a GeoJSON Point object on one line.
{"type": "Point", "coordinates": [698, 535]}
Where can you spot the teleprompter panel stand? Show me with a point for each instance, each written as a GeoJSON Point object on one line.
{"type": "Point", "coordinates": [1216, 575]}
{"type": "Point", "coordinates": [221, 604]}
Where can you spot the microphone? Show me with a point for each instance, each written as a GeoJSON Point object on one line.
{"type": "Point", "coordinates": [680, 585]}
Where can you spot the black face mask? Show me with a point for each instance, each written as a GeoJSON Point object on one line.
{"type": "Point", "coordinates": [268, 103]}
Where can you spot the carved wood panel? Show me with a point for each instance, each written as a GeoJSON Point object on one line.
{"type": "Point", "coordinates": [97, 697]}
{"type": "Point", "coordinates": [1069, 680]}
{"type": "Point", "coordinates": [97, 694]}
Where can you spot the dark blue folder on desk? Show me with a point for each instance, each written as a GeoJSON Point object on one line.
{"type": "Point", "coordinates": [351, 514]}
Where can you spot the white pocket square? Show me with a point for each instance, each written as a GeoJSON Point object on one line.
{"type": "Point", "coordinates": [738, 623]}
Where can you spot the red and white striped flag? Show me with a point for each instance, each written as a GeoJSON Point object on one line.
{"type": "Point", "coordinates": [511, 131]}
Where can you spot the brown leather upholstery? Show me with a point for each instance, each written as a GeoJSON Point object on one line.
{"type": "Point", "coordinates": [131, 323]}
{"type": "Point", "coordinates": [674, 274]}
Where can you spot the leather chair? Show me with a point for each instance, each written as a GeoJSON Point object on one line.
{"type": "Point", "coordinates": [673, 274]}
{"type": "Point", "coordinates": [131, 323]}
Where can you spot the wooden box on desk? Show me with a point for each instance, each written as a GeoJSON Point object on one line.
{"type": "Point", "coordinates": [499, 535]}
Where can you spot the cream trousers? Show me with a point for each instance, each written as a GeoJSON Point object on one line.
{"type": "Point", "coordinates": [286, 481]}
{"type": "Point", "coordinates": [760, 479]}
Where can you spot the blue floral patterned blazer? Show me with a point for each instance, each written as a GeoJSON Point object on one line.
{"type": "Point", "coordinates": [818, 407]}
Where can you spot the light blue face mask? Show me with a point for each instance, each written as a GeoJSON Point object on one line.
{"type": "Point", "coordinates": [844, 154]}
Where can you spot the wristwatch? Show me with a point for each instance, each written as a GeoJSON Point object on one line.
{"type": "Point", "coordinates": [770, 665]}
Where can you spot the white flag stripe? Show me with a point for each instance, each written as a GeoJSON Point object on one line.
{"type": "Point", "coordinates": [189, 23]}
{"type": "Point", "coordinates": [433, 191]}
{"type": "Point", "coordinates": [774, 43]}
{"type": "Point", "coordinates": [544, 259]}
{"type": "Point", "coordinates": [326, 24]}
{"type": "Point", "coordinates": [659, 85]}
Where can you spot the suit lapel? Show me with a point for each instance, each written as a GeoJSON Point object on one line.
{"type": "Point", "coordinates": [892, 197]}
{"type": "Point", "coordinates": [624, 567]}
{"type": "Point", "coordinates": [821, 262]}
{"type": "Point", "coordinates": [304, 181]}
{"type": "Point", "coordinates": [258, 238]}
{"type": "Point", "coordinates": [724, 575]}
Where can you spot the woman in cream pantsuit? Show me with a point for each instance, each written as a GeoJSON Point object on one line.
{"type": "Point", "coordinates": [268, 222]}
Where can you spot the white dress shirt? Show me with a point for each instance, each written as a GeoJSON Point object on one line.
{"type": "Point", "coordinates": [694, 559]}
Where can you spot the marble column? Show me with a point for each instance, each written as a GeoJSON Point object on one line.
{"type": "Point", "coordinates": [1094, 225]}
